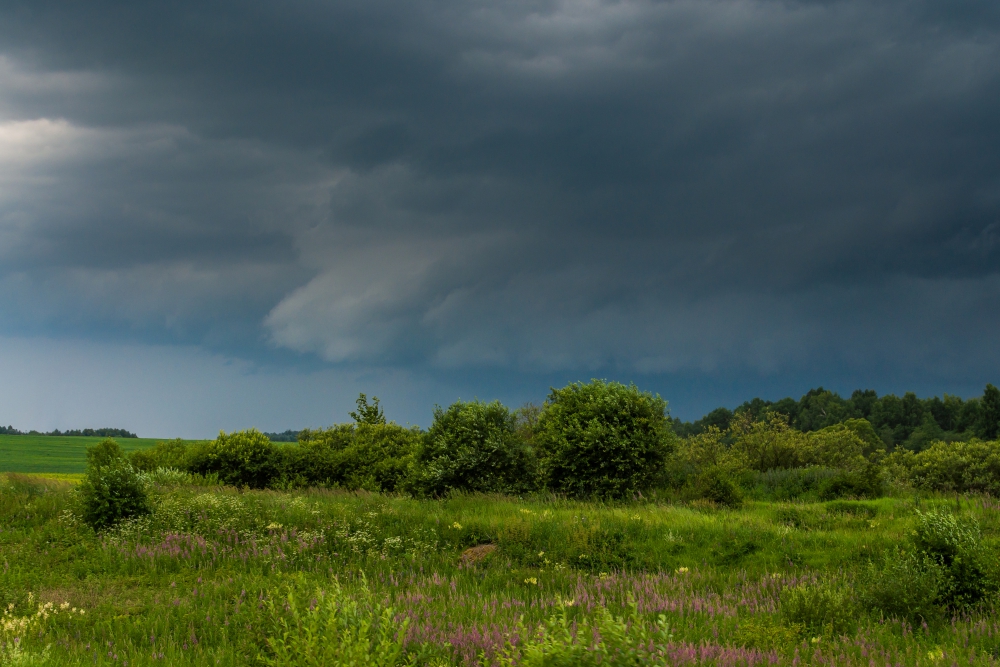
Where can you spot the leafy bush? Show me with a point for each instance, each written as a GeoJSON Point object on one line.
{"type": "Point", "coordinates": [473, 446]}
{"type": "Point", "coordinates": [905, 586]}
{"type": "Point", "coordinates": [603, 439]}
{"type": "Point", "coordinates": [699, 452]}
{"type": "Point", "coordinates": [315, 460]}
{"type": "Point", "coordinates": [863, 430]}
{"type": "Point", "coordinates": [380, 457]}
{"type": "Point", "coordinates": [767, 443]}
{"type": "Point", "coordinates": [972, 466]}
{"type": "Point", "coordinates": [170, 477]}
{"type": "Point", "coordinates": [716, 484]}
{"type": "Point", "coordinates": [820, 609]}
{"type": "Point", "coordinates": [104, 453]}
{"type": "Point", "coordinates": [833, 447]}
{"type": "Point", "coordinates": [864, 483]}
{"type": "Point", "coordinates": [371, 456]}
{"type": "Point", "coordinates": [165, 454]}
{"type": "Point", "coordinates": [112, 489]}
{"type": "Point", "coordinates": [955, 547]}
{"type": "Point", "coordinates": [242, 458]}
{"type": "Point", "coordinates": [946, 569]}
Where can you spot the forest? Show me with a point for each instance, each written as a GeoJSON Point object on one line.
{"type": "Point", "coordinates": [910, 422]}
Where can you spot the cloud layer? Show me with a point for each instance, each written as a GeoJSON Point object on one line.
{"type": "Point", "coordinates": [748, 188]}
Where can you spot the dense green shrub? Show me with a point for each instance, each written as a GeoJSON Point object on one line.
{"type": "Point", "coordinates": [242, 458]}
{"type": "Point", "coordinates": [104, 453]}
{"type": "Point", "coordinates": [904, 586]}
{"type": "Point", "coordinates": [314, 461]}
{"type": "Point", "coordinates": [768, 443]}
{"type": "Point", "coordinates": [946, 568]}
{"type": "Point", "coordinates": [112, 489]}
{"type": "Point", "coordinates": [699, 452]}
{"type": "Point", "coordinates": [716, 484]}
{"type": "Point", "coordinates": [165, 454]}
{"type": "Point", "coordinates": [603, 439]}
{"type": "Point", "coordinates": [862, 430]}
{"type": "Point", "coordinates": [820, 608]}
{"type": "Point", "coordinates": [836, 446]}
{"type": "Point", "coordinates": [372, 456]}
{"type": "Point", "coordinates": [864, 483]}
{"type": "Point", "coordinates": [380, 456]}
{"type": "Point", "coordinates": [473, 446]}
{"type": "Point", "coordinates": [955, 546]}
{"type": "Point", "coordinates": [972, 466]}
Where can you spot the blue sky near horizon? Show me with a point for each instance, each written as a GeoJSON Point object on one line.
{"type": "Point", "coordinates": [215, 215]}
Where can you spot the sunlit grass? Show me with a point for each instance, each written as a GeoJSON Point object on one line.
{"type": "Point", "coordinates": [204, 578]}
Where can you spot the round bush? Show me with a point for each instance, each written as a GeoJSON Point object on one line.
{"type": "Point", "coordinates": [242, 458]}
{"type": "Point", "coordinates": [716, 484]}
{"type": "Point", "coordinates": [112, 489]}
{"type": "Point", "coordinates": [473, 446]}
{"type": "Point", "coordinates": [602, 439]}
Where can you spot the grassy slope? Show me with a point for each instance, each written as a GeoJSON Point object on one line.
{"type": "Point", "coordinates": [55, 454]}
{"type": "Point", "coordinates": [203, 581]}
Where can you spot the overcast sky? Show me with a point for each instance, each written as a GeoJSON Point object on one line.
{"type": "Point", "coordinates": [231, 214]}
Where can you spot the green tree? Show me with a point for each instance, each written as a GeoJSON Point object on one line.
{"type": "Point", "coordinates": [769, 443]}
{"type": "Point", "coordinates": [755, 409]}
{"type": "Point", "coordinates": [922, 436]}
{"type": "Point", "coordinates": [863, 402]}
{"type": "Point", "coordinates": [603, 439]}
{"type": "Point", "coordinates": [820, 408]}
{"type": "Point", "coordinates": [969, 417]}
{"type": "Point", "coordinates": [368, 414]}
{"type": "Point", "coordinates": [945, 411]}
{"type": "Point", "coordinates": [473, 446]}
{"type": "Point", "coordinates": [989, 416]}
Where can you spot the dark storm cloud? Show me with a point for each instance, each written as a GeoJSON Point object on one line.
{"type": "Point", "coordinates": [649, 186]}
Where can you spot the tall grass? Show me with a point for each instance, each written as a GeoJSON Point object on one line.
{"type": "Point", "coordinates": [216, 576]}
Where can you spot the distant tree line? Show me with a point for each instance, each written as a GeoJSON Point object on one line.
{"type": "Point", "coordinates": [284, 436]}
{"type": "Point", "coordinates": [909, 422]}
{"type": "Point", "coordinates": [607, 440]}
{"type": "Point", "coordinates": [88, 432]}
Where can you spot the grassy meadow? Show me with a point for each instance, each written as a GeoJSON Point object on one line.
{"type": "Point", "coordinates": [581, 532]}
{"type": "Point", "coordinates": [55, 454]}
{"type": "Point", "coordinates": [220, 576]}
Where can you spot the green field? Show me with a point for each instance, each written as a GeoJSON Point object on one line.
{"type": "Point", "coordinates": [57, 454]}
